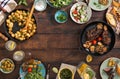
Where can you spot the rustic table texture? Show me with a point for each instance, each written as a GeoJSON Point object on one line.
{"type": "Point", "coordinates": [56, 43]}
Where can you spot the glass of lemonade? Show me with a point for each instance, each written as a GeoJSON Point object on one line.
{"type": "Point", "coordinates": [18, 55]}
{"type": "Point", "coordinates": [40, 5]}
{"type": "Point", "coordinates": [10, 45]}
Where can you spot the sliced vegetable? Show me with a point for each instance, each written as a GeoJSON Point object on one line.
{"type": "Point", "coordinates": [75, 12]}
{"type": "Point", "coordinates": [80, 13]}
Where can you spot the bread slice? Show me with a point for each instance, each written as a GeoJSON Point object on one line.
{"type": "Point", "coordinates": [116, 4]}
{"type": "Point", "coordinates": [118, 69]}
{"type": "Point", "coordinates": [111, 20]}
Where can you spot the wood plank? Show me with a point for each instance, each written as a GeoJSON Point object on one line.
{"type": "Point", "coordinates": [53, 41]}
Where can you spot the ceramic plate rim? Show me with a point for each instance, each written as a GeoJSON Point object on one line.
{"type": "Point", "coordinates": [97, 9]}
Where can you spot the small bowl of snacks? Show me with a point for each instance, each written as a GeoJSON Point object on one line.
{"type": "Point", "coordinates": [80, 13]}
{"type": "Point", "coordinates": [59, 3]}
{"type": "Point", "coordinates": [61, 16]}
{"type": "Point", "coordinates": [7, 65]}
{"type": "Point", "coordinates": [97, 38]}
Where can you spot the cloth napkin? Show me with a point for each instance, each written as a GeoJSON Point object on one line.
{"type": "Point", "coordinates": [9, 6]}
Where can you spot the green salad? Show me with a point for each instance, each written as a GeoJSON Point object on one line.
{"type": "Point", "coordinates": [60, 3]}
{"type": "Point", "coordinates": [35, 74]}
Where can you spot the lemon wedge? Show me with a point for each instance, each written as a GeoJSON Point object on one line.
{"type": "Point", "coordinates": [89, 58]}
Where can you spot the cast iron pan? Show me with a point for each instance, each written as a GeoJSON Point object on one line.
{"type": "Point", "coordinates": [16, 27]}
{"type": "Point", "coordinates": [92, 25]}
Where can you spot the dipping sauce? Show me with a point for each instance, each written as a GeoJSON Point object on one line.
{"type": "Point", "coordinates": [10, 45]}
{"type": "Point", "coordinates": [18, 55]}
{"type": "Point", "coordinates": [40, 5]}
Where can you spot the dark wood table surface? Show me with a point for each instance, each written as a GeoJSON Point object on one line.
{"type": "Point", "coordinates": [56, 43]}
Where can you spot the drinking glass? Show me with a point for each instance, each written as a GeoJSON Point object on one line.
{"type": "Point", "coordinates": [10, 45]}
{"type": "Point", "coordinates": [40, 5]}
{"type": "Point", "coordinates": [18, 55]}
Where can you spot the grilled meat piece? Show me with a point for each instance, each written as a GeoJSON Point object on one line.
{"type": "Point", "coordinates": [100, 49]}
{"type": "Point", "coordinates": [106, 37]}
{"type": "Point", "coordinates": [109, 72]}
{"type": "Point", "coordinates": [94, 32]}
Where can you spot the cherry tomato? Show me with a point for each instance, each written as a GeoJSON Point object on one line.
{"type": "Point", "coordinates": [75, 12]}
{"type": "Point", "coordinates": [29, 69]}
{"type": "Point", "coordinates": [76, 18]}
{"type": "Point", "coordinates": [99, 38]}
{"type": "Point", "coordinates": [94, 42]}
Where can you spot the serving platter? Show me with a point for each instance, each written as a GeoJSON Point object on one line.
{"type": "Point", "coordinates": [105, 65]}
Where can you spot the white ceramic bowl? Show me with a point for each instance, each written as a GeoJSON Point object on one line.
{"type": "Point", "coordinates": [11, 62]}
{"type": "Point", "coordinates": [88, 12]}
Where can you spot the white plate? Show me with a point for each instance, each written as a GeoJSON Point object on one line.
{"type": "Point", "coordinates": [89, 12]}
{"type": "Point", "coordinates": [104, 65]}
{"type": "Point", "coordinates": [98, 7]}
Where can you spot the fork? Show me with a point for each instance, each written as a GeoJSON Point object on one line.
{"type": "Point", "coordinates": [22, 75]}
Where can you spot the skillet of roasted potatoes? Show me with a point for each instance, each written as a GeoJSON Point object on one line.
{"type": "Point", "coordinates": [15, 23]}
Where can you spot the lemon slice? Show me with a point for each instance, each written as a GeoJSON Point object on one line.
{"type": "Point", "coordinates": [89, 58]}
{"type": "Point", "coordinates": [55, 70]}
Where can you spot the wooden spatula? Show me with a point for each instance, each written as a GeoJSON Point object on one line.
{"type": "Point", "coordinates": [29, 18]}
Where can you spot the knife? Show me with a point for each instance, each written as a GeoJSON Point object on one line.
{"type": "Point", "coordinates": [48, 71]}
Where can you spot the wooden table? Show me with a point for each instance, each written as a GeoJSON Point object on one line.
{"type": "Point", "coordinates": [56, 43]}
